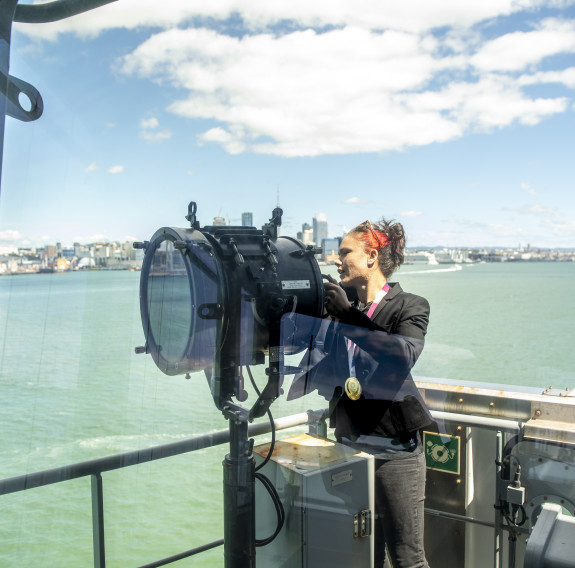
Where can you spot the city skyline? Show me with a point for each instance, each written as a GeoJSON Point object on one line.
{"type": "Point", "coordinates": [305, 234]}
{"type": "Point", "coordinates": [456, 120]}
{"type": "Point", "coordinates": [58, 245]}
{"type": "Point", "coordinates": [124, 256]}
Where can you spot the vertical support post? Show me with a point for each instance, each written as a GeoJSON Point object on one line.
{"type": "Point", "coordinates": [498, 557]}
{"type": "Point", "coordinates": [98, 521]}
{"type": "Point", "coordinates": [239, 499]}
{"type": "Point", "coordinates": [7, 9]}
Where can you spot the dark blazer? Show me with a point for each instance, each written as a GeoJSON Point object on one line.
{"type": "Point", "coordinates": [389, 345]}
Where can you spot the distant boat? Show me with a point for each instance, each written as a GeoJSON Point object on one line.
{"type": "Point", "coordinates": [445, 257]}
{"type": "Point", "coordinates": [420, 257]}
{"type": "Point", "coordinates": [451, 257]}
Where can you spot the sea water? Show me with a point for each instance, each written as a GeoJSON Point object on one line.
{"type": "Point", "coordinates": [73, 389]}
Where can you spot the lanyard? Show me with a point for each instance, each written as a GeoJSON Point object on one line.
{"type": "Point", "coordinates": [352, 348]}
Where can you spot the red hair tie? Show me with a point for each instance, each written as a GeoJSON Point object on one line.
{"type": "Point", "coordinates": [381, 241]}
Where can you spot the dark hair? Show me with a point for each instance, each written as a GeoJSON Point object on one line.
{"type": "Point", "coordinates": [388, 237]}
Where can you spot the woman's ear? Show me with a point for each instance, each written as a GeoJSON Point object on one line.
{"type": "Point", "coordinates": [372, 257]}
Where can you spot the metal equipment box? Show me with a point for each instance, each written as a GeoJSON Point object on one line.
{"type": "Point", "coordinates": [326, 490]}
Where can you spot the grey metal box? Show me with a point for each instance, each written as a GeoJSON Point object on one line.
{"type": "Point", "coordinates": [327, 492]}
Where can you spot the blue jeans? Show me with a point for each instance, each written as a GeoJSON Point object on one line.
{"type": "Point", "coordinates": [399, 502]}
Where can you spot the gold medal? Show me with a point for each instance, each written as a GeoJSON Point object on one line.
{"type": "Point", "coordinates": [353, 388]}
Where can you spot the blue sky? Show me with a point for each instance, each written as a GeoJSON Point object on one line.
{"type": "Point", "coordinates": [456, 119]}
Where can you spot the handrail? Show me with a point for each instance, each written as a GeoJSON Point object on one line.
{"type": "Point", "coordinates": [96, 467]}
{"type": "Point", "coordinates": [513, 426]}
{"type": "Point", "coordinates": [127, 459]}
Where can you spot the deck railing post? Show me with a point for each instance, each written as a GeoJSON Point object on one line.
{"type": "Point", "coordinates": [98, 521]}
{"type": "Point", "coordinates": [498, 557]}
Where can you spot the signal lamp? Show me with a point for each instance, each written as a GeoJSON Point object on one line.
{"type": "Point", "coordinates": [219, 298]}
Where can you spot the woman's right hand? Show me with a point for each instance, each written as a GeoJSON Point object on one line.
{"type": "Point", "coordinates": [336, 302]}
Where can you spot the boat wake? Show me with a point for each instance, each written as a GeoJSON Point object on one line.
{"type": "Point", "coordinates": [453, 268]}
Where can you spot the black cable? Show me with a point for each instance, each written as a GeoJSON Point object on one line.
{"type": "Point", "coordinates": [271, 419]}
{"type": "Point", "coordinates": [511, 517]}
{"type": "Point", "coordinates": [278, 506]}
{"type": "Point", "coordinates": [272, 444]}
{"type": "Point", "coordinates": [516, 509]}
{"type": "Point", "coordinates": [264, 480]}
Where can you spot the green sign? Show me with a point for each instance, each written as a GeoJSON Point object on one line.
{"type": "Point", "coordinates": [442, 452]}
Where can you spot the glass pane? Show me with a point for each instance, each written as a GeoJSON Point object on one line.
{"type": "Point", "coordinates": [182, 317]}
{"type": "Point", "coordinates": [457, 122]}
{"type": "Point", "coordinates": [171, 318]}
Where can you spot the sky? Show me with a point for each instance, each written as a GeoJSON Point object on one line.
{"type": "Point", "coordinates": [455, 118]}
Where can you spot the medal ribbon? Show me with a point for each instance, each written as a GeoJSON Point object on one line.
{"type": "Point", "coordinates": [352, 348]}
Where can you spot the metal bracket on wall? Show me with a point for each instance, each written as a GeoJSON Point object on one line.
{"type": "Point", "coordinates": [14, 89]}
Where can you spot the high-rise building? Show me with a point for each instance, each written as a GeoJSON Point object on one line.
{"type": "Point", "coordinates": [319, 228]}
{"type": "Point", "coordinates": [306, 234]}
{"type": "Point", "coordinates": [247, 219]}
{"type": "Point", "coordinates": [50, 251]}
{"type": "Point", "coordinates": [329, 250]}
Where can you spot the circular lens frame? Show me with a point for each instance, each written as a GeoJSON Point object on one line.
{"type": "Point", "coordinates": [180, 301]}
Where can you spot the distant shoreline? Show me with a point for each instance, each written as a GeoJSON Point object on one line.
{"type": "Point", "coordinates": [441, 264]}
{"type": "Point", "coordinates": [81, 270]}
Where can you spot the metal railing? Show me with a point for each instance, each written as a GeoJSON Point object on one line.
{"type": "Point", "coordinates": [316, 425]}
{"type": "Point", "coordinates": [95, 468]}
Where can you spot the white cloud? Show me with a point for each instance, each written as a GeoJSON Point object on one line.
{"type": "Point", "coordinates": [527, 187]}
{"type": "Point", "coordinates": [411, 213]}
{"type": "Point", "coordinates": [565, 77]}
{"type": "Point", "coordinates": [538, 210]}
{"type": "Point", "coordinates": [504, 230]}
{"type": "Point", "coordinates": [491, 102]}
{"type": "Point", "coordinates": [10, 235]}
{"type": "Point", "coordinates": [517, 50]}
{"type": "Point", "coordinates": [485, 230]}
{"type": "Point", "coordinates": [116, 169]}
{"type": "Point", "coordinates": [563, 229]}
{"type": "Point", "coordinates": [151, 132]}
{"type": "Point", "coordinates": [551, 222]}
{"type": "Point", "coordinates": [354, 200]}
{"type": "Point", "coordinates": [231, 142]}
{"type": "Point", "coordinates": [344, 91]}
{"type": "Point", "coordinates": [301, 94]}
{"type": "Point", "coordinates": [149, 123]}
{"type": "Point", "coordinates": [156, 136]}
{"type": "Point", "coordinates": [10, 241]}
{"type": "Point", "coordinates": [383, 77]}
{"type": "Point", "coordinates": [91, 168]}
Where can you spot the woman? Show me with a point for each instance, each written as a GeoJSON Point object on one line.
{"type": "Point", "coordinates": [363, 366]}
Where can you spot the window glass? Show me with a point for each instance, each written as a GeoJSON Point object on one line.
{"type": "Point", "coordinates": [455, 122]}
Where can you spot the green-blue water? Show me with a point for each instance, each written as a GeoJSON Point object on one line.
{"type": "Point", "coordinates": [73, 389]}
